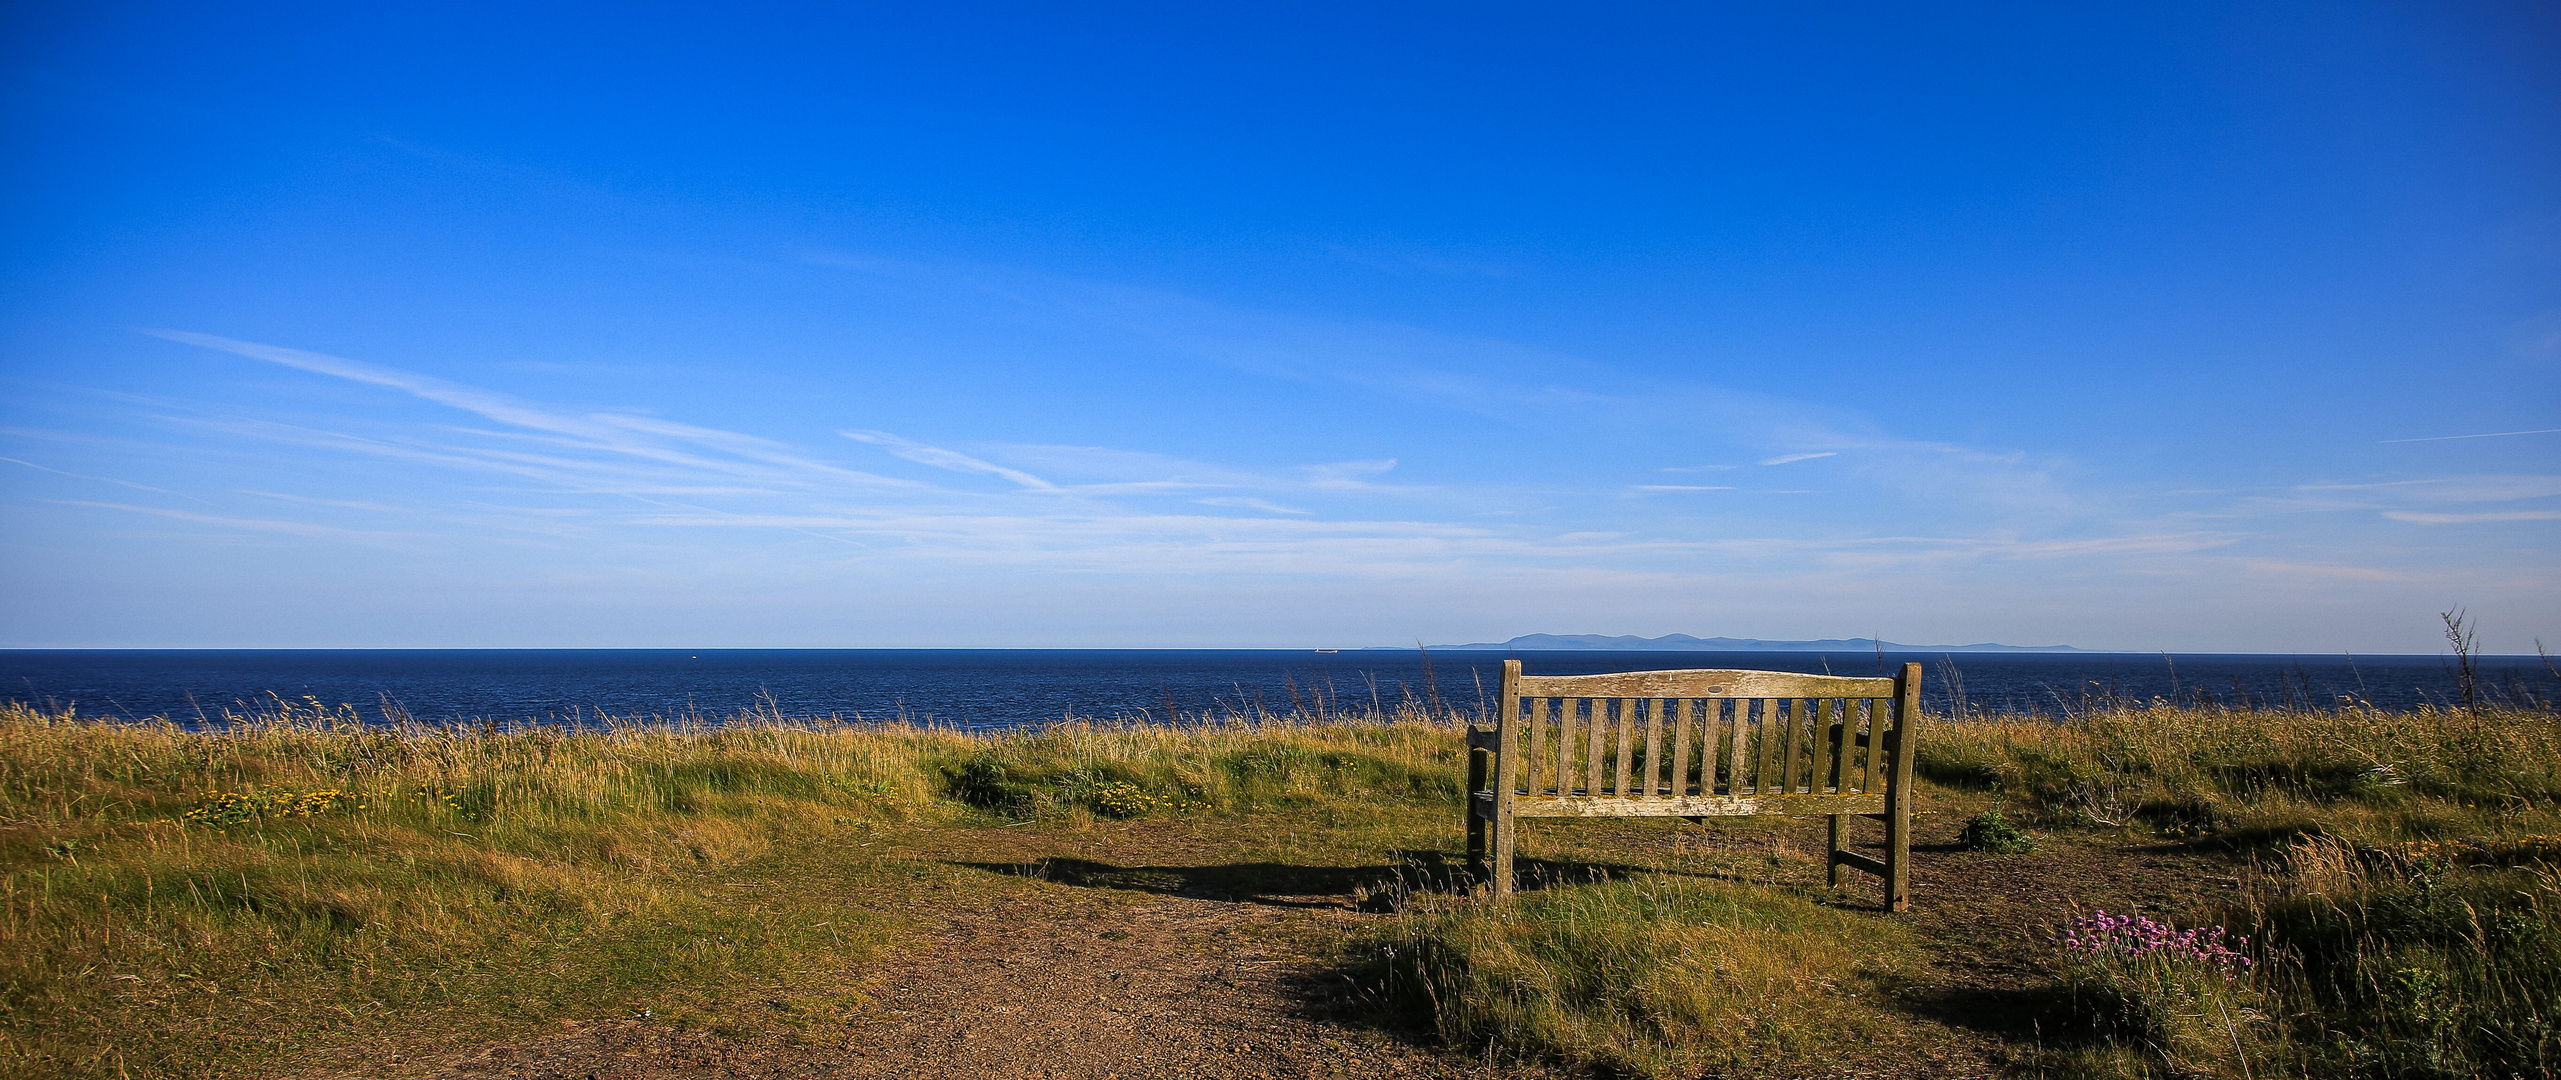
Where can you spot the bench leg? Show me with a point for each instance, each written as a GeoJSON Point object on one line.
{"type": "Point", "coordinates": [1898, 857]}
{"type": "Point", "coordinates": [1476, 838]}
{"type": "Point", "coordinates": [1840, 843]}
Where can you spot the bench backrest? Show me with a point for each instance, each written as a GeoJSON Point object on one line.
{"type": "Point", "coordinates": [1713, 731]}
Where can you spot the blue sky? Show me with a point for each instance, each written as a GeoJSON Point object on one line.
{"type": "Point", "coordinates": [2167, 327]}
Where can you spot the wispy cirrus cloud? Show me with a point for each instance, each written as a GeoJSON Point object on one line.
{"type": "Point", "coordinates": [273, 525]}
{"type": "Point", "coordinates": [2324, 570]}
{"type": "Point", "coordinates": [2483, 435]}
{"type": "Point", "coordinates": [1528, 387]}
{"type": "Point", "coordinates": [647, 439]}
{"type": "Point", "coordinates": [2417, 517]}
{"type": "Point", "coordinates": [85, 476]}
{"type": "Point", "coordinates": [941, 458]}
{"type": "Point", "coordinates": [593, 477]}
{"type": "Point", "coordinates": [2418, 500]}
{"type": "Point", "coordinates": [1250, 503]}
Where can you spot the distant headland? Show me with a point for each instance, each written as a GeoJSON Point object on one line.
{"type": "Point", "coordinates": [1687, 643]}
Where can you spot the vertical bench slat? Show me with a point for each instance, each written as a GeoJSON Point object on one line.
{"type": "Point", "coordinates": [1680, 783]}
{"type": "Point", "coordinates": [1819, 746]}
{"type": "Point", "coordinates": [1763, 748]}
{"type": "Point", "coordinates": [1875, 743]}
{"type": "Point", "coordinates": [1817, 712]}
{"type": "Point", "coordinates": [1626, 747]}
{"type": "Point", "coordinates": [1730, 716]}
{"type": "Point", "coordinates": [1561, 761]}
{"type": "Point", "coordinates": [1566, 768]}
{"type": "Point", "coordinates": [1850, 721]}
{"type": "Point", "coordinates": [1711, 744]}
{"type": "Point", "coordinates": [1849, 746]}
{"type": "Point", "coordinates": [1774, 728]}
{"type": "Point", "coordinates": [1653, 785]}
{"type": "Point", "coordinates": [1710, 726]}
{"type": "Point", "coordinates": [1784, 780]}
{"type": "Point", "coordinates": [1853, 717]}
{"type": "Point", "coordinates": [1819, 772]}
{"type": "Point", "coordinates": [1747, 754]}
{"type": "Point", "coordinates": [1569, 762]}
{"type": "Point", "coordinates": [1596, 746]}
{"type": "Point", "coordinates": [1795, 725]}
{"type": "Point", "coordinates": [1837, 728]}
{"type": "Point", "coordinates": [1537, 742]}
{"type": "Point", "coordinates": [1734, 753]}
{"type": "Point", "coordinates": [1782, 760]}
{"type": "Point", "coordinates": [1799, 743]}
{"type": "Point", "coordinates": [1773, 735]}
{"type": "Point", "coordinates": [1568, 746]}
{"type": "Point", "coordinates": [1824, 738]}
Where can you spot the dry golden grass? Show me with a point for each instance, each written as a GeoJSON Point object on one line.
{"type": "Point", "coordinates": [2264, 775]}
{"type": "Point", "coordinates": [482, 878]}
{"type": "Point", "coordinates": [470, 883]}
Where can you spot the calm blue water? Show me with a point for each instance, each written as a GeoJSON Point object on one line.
{"type": "Point", "coordinates": [1007, 688]}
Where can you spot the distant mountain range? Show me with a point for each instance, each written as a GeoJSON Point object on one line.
{"type": "Point", "coordinates": [1686, 643]}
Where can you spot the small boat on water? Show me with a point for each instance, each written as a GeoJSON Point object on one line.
{"type": "Point", "coordinates": [1329, 650]}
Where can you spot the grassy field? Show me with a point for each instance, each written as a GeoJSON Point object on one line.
{"type": "Point", "coordinates": [2400, 894]}
{"type": "Point", "coordinates": [309, 889]}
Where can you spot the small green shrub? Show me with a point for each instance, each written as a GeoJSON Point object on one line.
{"type": "Point", "coordinates": [1989, 831]}
{"type": "Point", "coordinates": [987, 782]}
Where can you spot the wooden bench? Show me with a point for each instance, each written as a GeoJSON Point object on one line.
{"type": "Point", "coordinates": [1669, 744]}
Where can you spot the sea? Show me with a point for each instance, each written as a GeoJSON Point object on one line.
{"type": "Point", "coordinates": [988, 689]}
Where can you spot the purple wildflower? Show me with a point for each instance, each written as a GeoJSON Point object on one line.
{"type": "Point", "coordinates": [2101, 936]}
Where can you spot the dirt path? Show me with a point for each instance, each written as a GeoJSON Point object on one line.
{"type": "Point", "coordinates": [1128, 971]}
{"type": "Point", "coordinates": [1049, 984]}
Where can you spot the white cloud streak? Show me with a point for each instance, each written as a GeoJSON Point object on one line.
{"type": "Point", "coordinates": [940, 458]}
{"type": "Point", "coordinates": [2419, 518]}
{"type": "Point", "coordinates": [1103, 510]}
{"type": "Point", "coordinates": [291, 528]}
{"type": "Point", "coordinates": [2483, 435]}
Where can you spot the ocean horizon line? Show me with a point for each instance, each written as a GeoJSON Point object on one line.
{"type": "Point", "coordinates": [1891, 649]}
